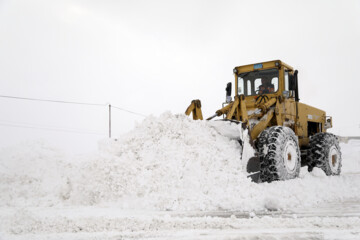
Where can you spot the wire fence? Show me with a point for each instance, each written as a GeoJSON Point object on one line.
{"type": "Point", "coordinates": [13, 124]}
{"type": "Point", "coordinates": [53, 101]}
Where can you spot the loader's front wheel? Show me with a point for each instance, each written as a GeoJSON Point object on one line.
{"type": "Point", "coordinates": [279, 154]}
{"type": "Point", "coordinates": [324, 153]}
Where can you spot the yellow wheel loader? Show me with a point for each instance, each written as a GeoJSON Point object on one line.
{"type": "Point", "coordinates": [278, 134]}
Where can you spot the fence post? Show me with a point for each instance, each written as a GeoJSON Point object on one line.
{"type": "Point", "coordinates": [109, 120]}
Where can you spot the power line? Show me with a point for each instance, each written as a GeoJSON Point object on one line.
{"type": "Point", "coordinates": [54, 101]}
{"type": "Point", "coordinates": [122, 109]}
{"type": "Point", "coordinates": [50, 129]}
{"type": "Point", "coordinates": [20, 123]}
{"type": "Point", "coordinates": [70, 102]}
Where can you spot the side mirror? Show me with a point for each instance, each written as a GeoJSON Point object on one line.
{"type": "Point", "coordinates": [228, 92]}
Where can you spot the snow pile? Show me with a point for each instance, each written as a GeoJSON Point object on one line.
{"type": "Point", "coordinates": [170, 162]}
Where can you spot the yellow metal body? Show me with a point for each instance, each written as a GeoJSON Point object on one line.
{"type": "Point", "coordinates": [271, 109]}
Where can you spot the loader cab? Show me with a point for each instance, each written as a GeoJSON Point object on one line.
{"type": "Point", "coordinates": [271, 78]}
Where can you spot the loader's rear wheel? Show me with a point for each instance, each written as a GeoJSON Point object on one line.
{"type": "Point", "coordinates": [324, 152]}
{"type": "Point", "coordinates": [279, 154]}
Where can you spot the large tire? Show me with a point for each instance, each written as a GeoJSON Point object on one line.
{"type": "Point", "coordinates": [279, 154]}
{"type": "Point", "coordinates": [324, 152]}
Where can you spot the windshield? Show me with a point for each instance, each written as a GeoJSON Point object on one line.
{"type": "Point", "coordinates": [258, 82]}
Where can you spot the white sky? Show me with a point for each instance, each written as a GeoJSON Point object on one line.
{"type": "Point", "coordinates": [154, 56]}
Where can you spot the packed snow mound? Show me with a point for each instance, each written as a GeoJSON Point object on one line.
{"type": "Point", "coordinates": [170, 162]}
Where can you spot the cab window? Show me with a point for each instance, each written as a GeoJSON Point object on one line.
{"type": "Point", "coordinates": [258, 82]}
{"type": "Point", "coordinates": [286, 78]}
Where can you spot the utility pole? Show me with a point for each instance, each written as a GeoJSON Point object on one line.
{"type": "Point", "coordinates": [109, 120]}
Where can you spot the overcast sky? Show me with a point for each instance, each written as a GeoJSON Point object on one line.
{"type": "Point", "coordinates": [154, 56]}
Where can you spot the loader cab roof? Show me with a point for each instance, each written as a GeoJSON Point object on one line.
{"type": "Point", "coordinates": [261, 66]}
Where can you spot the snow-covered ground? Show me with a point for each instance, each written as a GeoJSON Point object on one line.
{"type": "Point", "coordinates": [170, 178]}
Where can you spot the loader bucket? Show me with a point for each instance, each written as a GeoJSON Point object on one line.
{"type": "Point", "coordinates": [239, 131]}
